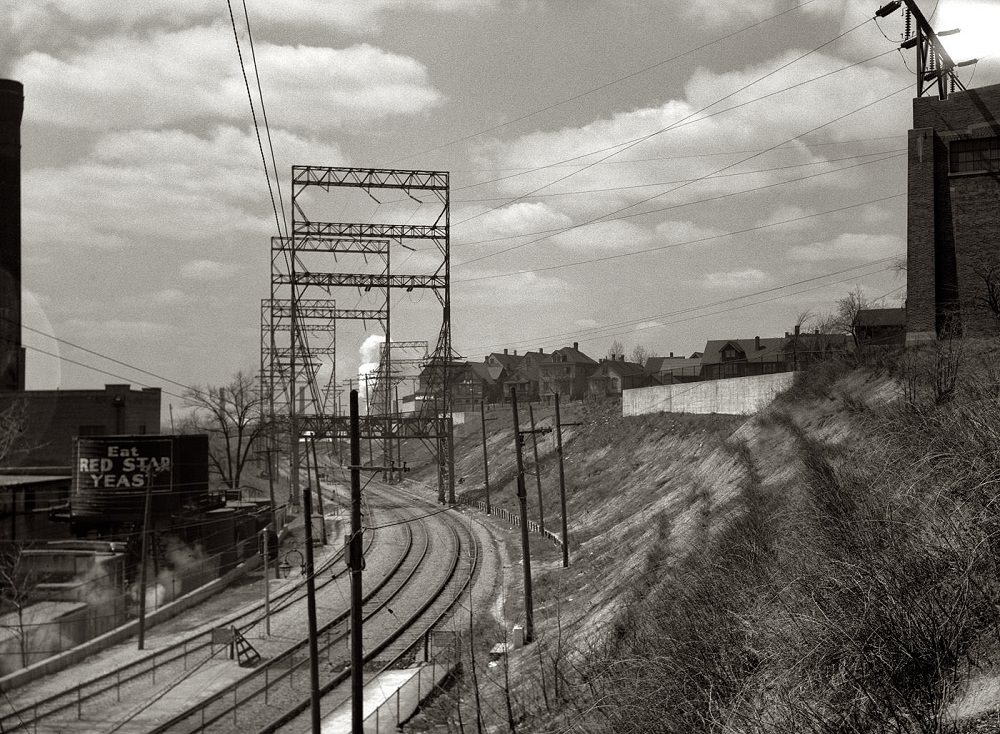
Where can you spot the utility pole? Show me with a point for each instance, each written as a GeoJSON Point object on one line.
{"type": "Point", "coordinates": [267, 581]}
{"type": "Point", "coordinates": [355, 559]}
{"type": "Point", "coordinates": [486, 458]}
{"type": "Point", "coordinates": [562, 484]}
{"type": "Point", "coordinates": [319, 490]}
{"type": "Point", "coordinates": [311, 603]}
{"type": "Point", "coordinates": [142, 561]}
{"type": "Point", "coordinates": [522, 501]}
{"type": "Point", "coordinates": [538, 470]}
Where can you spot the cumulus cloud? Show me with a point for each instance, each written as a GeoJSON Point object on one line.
{"type": "Point", "coordinates": [174, 77]}
{"type": "Point", "coordinates": [38, 22]}
{"type": "Point", "coordinates": [168, 186]}
{"type": "Point", "coordinates": [735, 279]}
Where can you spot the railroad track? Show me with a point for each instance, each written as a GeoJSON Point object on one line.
{"type": "Point", "coordinates": [67, 709]}
{"type": "Point", "coordinates": [398, 642]}
{"type": "Point", "coordinates": [396, 621]}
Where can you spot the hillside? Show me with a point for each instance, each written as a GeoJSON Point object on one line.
{"type": "Point", "coordinates": [828, 565]}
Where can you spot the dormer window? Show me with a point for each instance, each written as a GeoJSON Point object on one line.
{"type": "Point", "coordinates": [729, 352]}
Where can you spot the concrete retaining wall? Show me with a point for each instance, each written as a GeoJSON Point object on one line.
{"type": "Point", "coordinates": [736, 396]}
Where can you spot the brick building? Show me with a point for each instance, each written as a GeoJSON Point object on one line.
{"type": "Point", "coordinates": [953, 215]}
{"type": "Point", "coordinates": [54, 417]}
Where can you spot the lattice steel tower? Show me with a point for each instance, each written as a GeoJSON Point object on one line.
{"type": "Point", "coordinates": [323, 259]}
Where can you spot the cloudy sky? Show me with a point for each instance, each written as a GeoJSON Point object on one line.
{"type": "Point", "coordinates": [655, 172]}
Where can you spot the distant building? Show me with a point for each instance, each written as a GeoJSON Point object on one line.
{"type": "Point", "coordinates": [55, 417]}
{"type": "Point", "coordinates": [567, 373]}
{"type": "Point", "coordinates": [880, 327]}
{"type": "Point", "coordinates": [670, 370]}
{"type": "Point", "coordinates": [953, 215]}
{"type": "Point", "coordinates": [743, 357]}
{"type": "Point", "coordinates": [614, 375]}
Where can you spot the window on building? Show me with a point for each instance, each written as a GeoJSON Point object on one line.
{"type": "Point", "coordinates": [729, 352]}
{"type": "Point", "coordinates": [976, 155]}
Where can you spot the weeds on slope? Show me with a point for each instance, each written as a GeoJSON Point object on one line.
{"type": "Point", "coordinates": [854, 598]}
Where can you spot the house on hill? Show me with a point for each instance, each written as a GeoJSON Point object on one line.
{"type": "Point", "coordinates": [670, 370]}
{"type": "Point", "coordinates": [614, 375]}
{"type": "Point", "coordinates": [469, 383]}
{"type": "Point", "coordinates": [525, 375]}
{"type": "Point", "coordinates": [566, 373]}
{"type": "Point", "coordinates": [880, 327]}
{"type": "Point", "coordinates": [743, 357]}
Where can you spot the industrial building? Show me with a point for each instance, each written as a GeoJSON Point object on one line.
{"type": "Point", "coordinates": [953, 220]}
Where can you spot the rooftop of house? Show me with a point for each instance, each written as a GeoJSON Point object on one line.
{"type": "Point", "coordinates": [756, 349]}
{"type": "Point", "coordinates": [571, 355]}
{"type": "Point", "coordinates": [665, 364]}
{"type": "Point", "coordinates": [622, 368]}
{"type": "Point", "coordinates": [869, 317]}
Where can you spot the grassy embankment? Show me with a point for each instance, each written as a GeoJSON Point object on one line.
{"type": "Point", "coordinates": [828, 566]}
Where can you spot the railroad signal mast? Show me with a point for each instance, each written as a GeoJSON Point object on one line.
{"type": "Point", "coordinates": [935, 66]}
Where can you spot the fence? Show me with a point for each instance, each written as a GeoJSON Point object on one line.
{"type": "Point", "coordinates": [401, 704]}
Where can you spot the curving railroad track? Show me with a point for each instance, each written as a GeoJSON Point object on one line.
{"type": "Point", "coordinates": [420, 560]}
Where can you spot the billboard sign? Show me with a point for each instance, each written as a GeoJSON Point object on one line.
{"type": "Point", "coordinates": [111, 474]}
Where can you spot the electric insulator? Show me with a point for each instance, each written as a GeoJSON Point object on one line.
{"type": "Point", "coordinates": [932, 60]}
{"type": "Point", "coordinates": [908, 24]}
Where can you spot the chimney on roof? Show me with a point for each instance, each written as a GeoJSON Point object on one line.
{"type": "Point", "coordinates": [505, 350]}
{"type": "Point", "coordinates": [756, 343]}
{"type": "Point", "coordinates": [515, 352]}
{"type": "Point", "coordinates": [796, 330]}
{"type": "Point", "coordinates": [541, 350]}
{"type": "Point", "coordinates": [787, 335]}
{"type": "Point", "coordinates": [621, 357]}
{"type": "Point", "coordinates": [816, 331]}
{"type": "Point", "coordinates": [576, 345]}
{"type": "Point", "coordinates": [671, 354]}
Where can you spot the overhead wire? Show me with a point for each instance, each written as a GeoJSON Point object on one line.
{"type": "Point", "coordinates": [690, 116]}
{"type": "Point", "coordinates": [253, 113]}
{"type": "Point", "coordinates": [605, 85]}
{"type": "Point", "coordinates": [596, 331]}
{"type": "Point", "coordinates": [556, 230]}
{"type": "Point", "coordinates": [604, 217]}
{"type": "Point", "coordinates": [709, 178]}
{"type": "Point", "coordinates": [671, 245]}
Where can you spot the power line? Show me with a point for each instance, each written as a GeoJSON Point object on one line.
{"type": "Point", "coordinates": [672, 245]}
{"type": "Point", "coordinates": [603, 217]}
{"type": "Point", "coordinates": [603, 86]}
{"type": "Point", "coordinates": [267, 127]}
{"type": "Point", "coordinates": [685, 180]}
{"type": "Point", "coordinates": [593, 332]}
{"type": "Point", "coordinates": [679, 205]}
{"type": "Point", "coordinates": [676, 124]}
{"type": "Point", "coordinates": [253, 114]}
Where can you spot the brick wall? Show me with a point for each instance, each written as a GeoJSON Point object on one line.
{"type": "Point", "coordinates": [953, 220]}
{"type": "Point", "coordinates": [56, 416]}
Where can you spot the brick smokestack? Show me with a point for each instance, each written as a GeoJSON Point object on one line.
{"type": "Point", "coordinates": [11, 351]}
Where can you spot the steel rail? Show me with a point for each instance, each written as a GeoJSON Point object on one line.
{"type": "Point", "coordinates": [407, 626]}
{"type": "Point", "coordinates": [227, 698]}
{"type": "Point", "coordinates": [148, 665]}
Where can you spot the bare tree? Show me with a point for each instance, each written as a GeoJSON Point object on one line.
{"type": "Point", "coordinates": [13, 419]}
{"type": "Point", "coordinates": [17, 586]}
{"type": "Point", "coordinates": [230, 414]}
{"type": "Point", "coordinates": [616, 348]}
{"type": "Point", "coordinates": [988, 299]}
{"type": "Point", "coordinates": [639, 354]}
